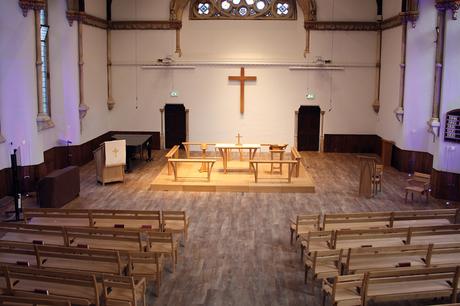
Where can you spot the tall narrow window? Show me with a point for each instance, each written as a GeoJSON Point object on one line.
{"type": "Point", "coordinates": [2, 139]}
{"type": "Point", "coordinates": [44, 62]}
{"type": "Point", "coordinates": [43, 71]}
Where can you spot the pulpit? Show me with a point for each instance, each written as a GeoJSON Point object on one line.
{"type": "Point", "coordinates": [367, 170]}
{"type": "Point", "coordinates": [110, 161]}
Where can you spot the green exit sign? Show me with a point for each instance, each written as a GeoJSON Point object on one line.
{"type": "Point", "coordinates": [310, 96]}
{"type": "Point", "coordinates": [174, 93]}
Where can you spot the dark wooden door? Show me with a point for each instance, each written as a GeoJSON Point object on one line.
{"type": "Point", "coordinates": [308, 128]}
{"type": "Point", "coordinates": [175, 125]}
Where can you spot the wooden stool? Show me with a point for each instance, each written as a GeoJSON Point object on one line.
{"type": "Point", "coordinates": [204, 166]}
{"type": "Point", "coordinates": [272, 157]}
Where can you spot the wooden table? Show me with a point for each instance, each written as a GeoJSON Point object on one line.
{"type": "Point", "coordinates": [225, 149]}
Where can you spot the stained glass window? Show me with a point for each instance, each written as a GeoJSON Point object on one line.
{"type": "Point", "coordinates": [243, 9]}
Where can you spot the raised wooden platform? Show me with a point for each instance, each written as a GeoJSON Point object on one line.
{"type": "Point", "coordinates": [238, 179]}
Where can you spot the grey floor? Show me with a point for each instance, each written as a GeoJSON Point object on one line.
{"type": "Point", "coordinates": [238, 251]}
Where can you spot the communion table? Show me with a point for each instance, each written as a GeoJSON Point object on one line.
{"type": "Point", "coordinates": [226, 148]}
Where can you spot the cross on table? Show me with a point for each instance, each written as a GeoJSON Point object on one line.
{"type": "Point", "coordinates": [242, 78]}
{"type": "Point", "coordinates": [239, 139]}
{"type": "Point", "coordinates": [115, 151]}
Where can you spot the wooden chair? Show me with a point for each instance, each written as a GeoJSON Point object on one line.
{"type": "Point", "coordinates": [304, 224]}
{"type": "Point", "coordinates": [377, 178]}
{"type": "Point", "coordinates": [164, 243]}
{"type": "Point", "coordinates": [277, 149]}
{"type": "Point", "coordinates": [344, 290]}
{"type": "Point", "coordinates": [122, 290]}
{"type": "Point", "coordinates": [419, 183]}
{"type": "Point", "coordinates": [175, 222]}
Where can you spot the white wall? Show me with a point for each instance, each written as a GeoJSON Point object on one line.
{"type": "Point", "coordinates": [97, 8]}
{"type": "Point", "coordinates": [270, 101]}
{"type": "Point", "coordinates": [421, 52]}
{"type": "Point", "coordinates": [18, 86]}
{"type": "Point", "coordinates": [391, 8]}
{"type": "Point", "coordinates": [95, 83]}
{"type": "Point", "coordinates": [447, 154]}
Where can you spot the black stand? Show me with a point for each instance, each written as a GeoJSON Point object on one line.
{"type": "Point", "coordinates": [16, 187]}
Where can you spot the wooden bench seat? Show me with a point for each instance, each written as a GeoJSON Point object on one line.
{"type": "Point", "coordinates": [9, 300]}
{"type": "Point", "coordinates": [132, 219]}
{"type": "Point", "coordinates": [165, 244]}
{"type": "Point", "coordinates": [323, 264]}
{"type": "Point", "coordinates": [254, 164]}
{"type": "Point", "coordinates": [176, 221]}
{"type": "Point", "coordinates": [18, 253]}
{"type": "Point", "coordinates": [173, 153]}
{"type": "Point", "coordinates": [304, 224]}
{"type": "Point", "coordinates": [209, 162]}
{"type": "Point", "coordinates": [356, 220]}
{"type": "Point", "coordinates": [148, 265]}
{"type": "Point", "coordinates": [344, 290]}
{"type": "Point", "coordinates": [81, 259]}
{"type": "Point", "coordinates": [78, 288]}
{"type": "Point", "coordinates": [411, 284]}
{"type": "Point", "coordinates": [45, 234]}
{"type": "Point", "coordinates": [119, 289]}
{"type": "Point", "coordinates": [295, 155]}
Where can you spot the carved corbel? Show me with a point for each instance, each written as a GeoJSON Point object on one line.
{"type": "Point", "coordinates": [308, 8]}
{"type": "Point", "coordinates": [453, 5]}
{"type": "Point", "coordinates": [74, 12]}
{"type": "Point", "coordinates": [35, 5]}
{"type": "Point", "coordinates": [176, 11]}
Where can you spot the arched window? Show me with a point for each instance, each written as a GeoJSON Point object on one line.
{"type": "Point", "coordinates": [243, 9]}
{"type": "Point", "coordinates": [2, 139]}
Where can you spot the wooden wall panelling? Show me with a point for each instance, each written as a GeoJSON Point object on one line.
{"type": "Point", "coordinates": [445, 185]}
{"type": "Point", "coordinates": [348, 143]}
{"type": "Point", "coordinates": [410, 161]}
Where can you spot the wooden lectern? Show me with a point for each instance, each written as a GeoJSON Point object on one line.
{"type": "Point", "coordinates": [367, 169]}
{"type": "Point", "coordinates": [110, 161]}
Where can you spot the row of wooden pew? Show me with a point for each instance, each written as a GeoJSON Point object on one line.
{"type": "Point", "coordinates": [361, 257]}
{"type": "Point", "coordinates": [106, 256]}
{"type": "Point", "coordinates": [305, 223]}
{"type": "Point", "coordinates": [166, 220]}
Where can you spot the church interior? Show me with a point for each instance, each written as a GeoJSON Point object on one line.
{"type": "Point", "coordinates": [229, 152]}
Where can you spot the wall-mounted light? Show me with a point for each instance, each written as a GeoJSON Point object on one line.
{"type": "Point", "coordinates": [399, 113]}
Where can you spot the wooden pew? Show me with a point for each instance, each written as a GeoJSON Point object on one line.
{"type": "Point", "coordinates": [295, 155]}
{"type": "Point", "coordinates": [425, 217]}
{"type": "Point", "coordinates": [395, 285]}
{"type": "Point", "coordinates": [103, 238]}
{"type": "Point", "coordinates": [443, 255]}
{"type": "Point", "coordinates": [356, 220]}
{"type": "Point", "coordinates": [315, 241]}
{"type": "Point", "coordinates": [78, 288]}
{"type": "Point", "coordinates": [165, 244]}
{"type": "Point", "coordinates": [18, 253]}
{"type": "Point", "coordinates": [304, 224]}
{"type": "Point", "coordinates": [119, 290]}
{"type": "Point", "coordinates": [10, 300]}
{"type": "Point", "coordinates": [39, 234]}
{"type": "Point", "coordinates": [94, 217]}
{"type": "Point", "coordinates": [254, 164]}
{"type": "Point", "coordinates": [323, 264]}
{"type": "Point", "coordinates": [148, 265]}
{"type": "Point", "coordinates": [173, 163]}
{"type": "Point", "coordinates": [175, 221]}
{"type": "Point", "coordinates": [80, 259]}
{"type": "Point", "coordinates": [344, 290]}
{"type": "Point", "coordinates": [411, 284]}
{"type": "Point", "coordinates": [172, 154]}
{"type": "Point", "coordinates": [359, 260]}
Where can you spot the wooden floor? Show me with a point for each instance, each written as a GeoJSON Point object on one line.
{"type": "Point", "coordinates": [238, 251]}
{"type": "Point", "coordinates": [237, 179]}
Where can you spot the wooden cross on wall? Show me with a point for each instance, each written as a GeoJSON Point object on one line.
{"type": "Point", "coordinates": [242, 78]}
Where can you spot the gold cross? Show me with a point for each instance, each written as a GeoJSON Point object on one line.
{"type": "Point", "coordinates": [239, 139]}
{"type": "Point", "coordinates": [115, 151]}
{"type": "Point", "coordinates": [242, 78]}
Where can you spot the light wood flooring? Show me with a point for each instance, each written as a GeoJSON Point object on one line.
{"type": "Point", "coordinates": [238, 251]}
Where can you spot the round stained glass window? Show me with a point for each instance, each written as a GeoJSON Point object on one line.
{"type": "Point", "coordinates": [203, 8]}
{"type": "Point", "coordinates": [249, 2]}
{"type": "Point", "coordinates": [243, 11]}
{"type": "Point", "coordinates": [282, 8]}
{"type": "Point", "coordinates": [260, 5]}
{"type": "Point", "coordinates": [225, 5]}
{"type": "Point", "coordinates": [236, 2]}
